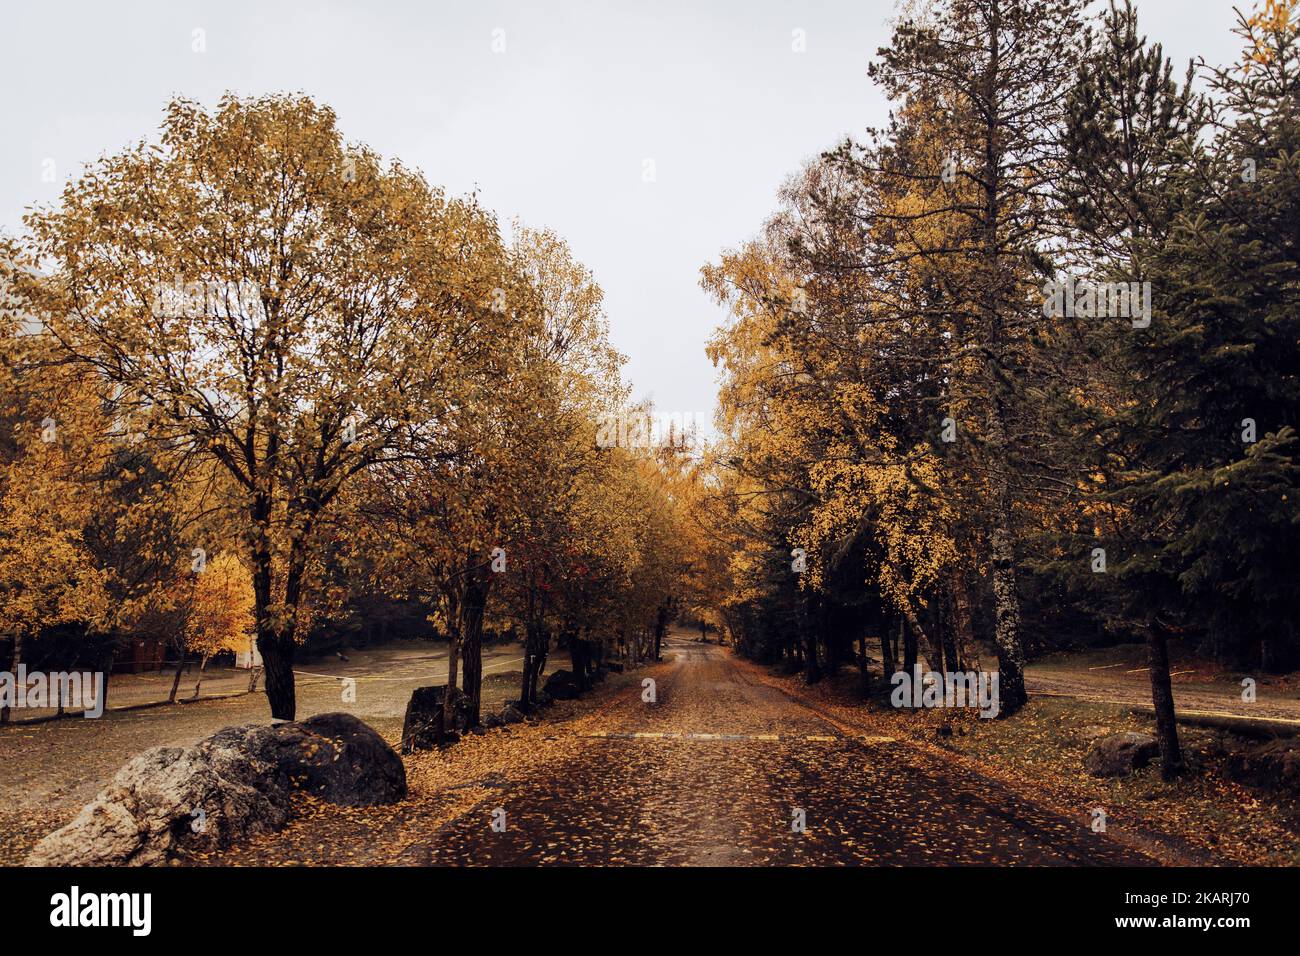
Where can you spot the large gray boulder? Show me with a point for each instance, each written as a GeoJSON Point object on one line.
{"type": "Point", "coordinates": [334, 757]}
{"type": "Point", "coordinates": [1119, 754]}
{"type": "Point", "coordinates": [172, 801]}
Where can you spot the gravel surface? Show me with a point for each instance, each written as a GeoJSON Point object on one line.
{"type": "Point", "coordinates": [52, 769]}
{"type": "Point", "coordinates": [712, 772]}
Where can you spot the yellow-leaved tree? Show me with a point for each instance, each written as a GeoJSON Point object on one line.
{"type": "Point", "coordinates": [220, 618]}
{"type": "Point", "coordinates": [277, 301]}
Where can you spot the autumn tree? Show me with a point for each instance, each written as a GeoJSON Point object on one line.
{"type": "Point", "coordinates": [49, 493]}
{"type": "Point", "coordinates": [220, 615]}
{"type": "Point", "coordinates": [994, 74]}
{"type": "Point", "coordinates": [277, 300]}
{"type": "Point", "coordinates": [1132, 132]}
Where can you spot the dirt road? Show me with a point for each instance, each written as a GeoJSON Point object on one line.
{"type": "Point", "coordinates": [721, 768]}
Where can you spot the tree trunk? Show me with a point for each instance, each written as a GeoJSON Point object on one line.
{"type": "Point", "coordinates": [534, 663]}
{"type": "Point", "coordinates": [1006, 600]}
{"type": "Point", "coordinates": [176, 682]}
{"type": "Point", "coordinates": [539, 664]}
{"type": "Point", "coordinates": [1162, 699]}
{"type": "Point", "coordinates": [472, 666]}
{"type": "Point", "coordinates": [527, 679]}
{"type": "Point", "coordinates": [888, 663]}
{"type": "Point", "coordinates": [909, 646]}
{"type": "Point", "coordinates": [472, 642]}
{"type": "Point", "coordinates": [812, 667]}
{"type": "Point", "coordinates": [203, 666]}
{"type": "Point", "coordinates": [107, 665]}
{"type": "Point", "coordinates": [534, 657]}
{"type": "Point", "coordinates": [13, 668]}
{"type": "Point", "coordinates": [863, 673]}
{"type": "Point", "coordinates": [579, 658]}
{"type": "Point", "coordinates": [967, 654]}
{"type": "Point", "coordinates": [661, 628]}
{"type": "Point", "coordinates": [453, 663]}
{"type": "Point", "coordinates": [949, 640]}
{"type": "Point", "coordinates": [275, 640]}
{"type": "Point", "coordinates": [994, 296]}
{"type": "Point", "coordinates": [453, 659]}
{"type": "Point", "coordinates": [277, 661]}
{"type": "Point", "coordinates": [1011, 656]}
{"type": "Point", "coordinates": [827, 628]}
{"type": "Point", "coordinates": [933, 652]}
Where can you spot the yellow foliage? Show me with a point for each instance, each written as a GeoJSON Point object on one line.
{"type": "Point", "coordinates": [221, 607]}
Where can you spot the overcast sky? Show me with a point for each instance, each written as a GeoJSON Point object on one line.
{"type": "Point", "coordinates": [557, 112]}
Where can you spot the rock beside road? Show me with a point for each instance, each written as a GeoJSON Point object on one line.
{"type": "Point", "coordinates": [1271, 766]}
{"type": "Point", "coordinates": [510, 714]}
{"type": "Point", "coordinates": [422, 728]}
{"type": "Point", "coordinates": [239, 782]}
{"type": "Point", "coordinates": [1120, 754]}
{"type": "Point", "coordinates": [563, 685]}
{"type": "Point", "coordinates": [334, 757]}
